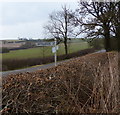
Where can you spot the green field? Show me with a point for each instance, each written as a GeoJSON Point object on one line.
{"type": "Point", "coordinates": [43, 51]}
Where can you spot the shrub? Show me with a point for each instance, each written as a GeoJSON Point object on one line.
{"type": "Point", "coordinates": [100, 43]}
{"type": "Point", "coordinates": [89, 84]}
{"type": "Point", "coordinates": [97, 43]}
{"type": "Point", "coordinates": [4, 50]}
{"type": "Point", "coordinates": [114, 44]}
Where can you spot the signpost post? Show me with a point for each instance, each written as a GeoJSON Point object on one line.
{"type": "Point", "coordinates": [55, 52]}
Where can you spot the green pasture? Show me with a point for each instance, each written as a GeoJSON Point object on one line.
{"type": "Point", "coordinates": [44, 51]}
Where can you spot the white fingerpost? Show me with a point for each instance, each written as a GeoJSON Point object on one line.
{"type": "Point", "coordinates": [55, 52]}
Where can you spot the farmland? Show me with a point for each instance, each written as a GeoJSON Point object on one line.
{"type": "Point", "coordinates": [85, 84]}
{"type": "Point", "coordinates": [11, 64]}
{"type": "Point", "coordinates": [41, 52]}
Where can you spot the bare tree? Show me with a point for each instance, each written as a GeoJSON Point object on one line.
{"type": "Point", "coordinates": [96, 19]}
{"type": "Point", "coordinates": [60, 25]}
{"type": "Point", "coordinates": [118, 30]}
{"type": "Point", "coordinates": [116, 23]}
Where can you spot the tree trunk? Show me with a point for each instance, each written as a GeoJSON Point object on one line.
{"type": "Point", "coordinates": [118, 29]}
{"type": "Point", "coordinates": [107, 43]}
{"type": "Point", "coordinates": [107, 38]}
{"type": "Point", "coordinates": [118, 37]}
{"type": "Point", "coordinates": [66, 48]}
{"type": "Point", "coordinates": [66, 30]}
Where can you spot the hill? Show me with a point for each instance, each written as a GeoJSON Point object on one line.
{"type": "Point", "coordinates": [88, 84]}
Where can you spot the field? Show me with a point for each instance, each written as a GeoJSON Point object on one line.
{"type": "Point", "coordinates": [43, 51]}
{"type": "Point", "coordinates": [12, 64]}
{"type": "Point", "coordinates": [88, 84]}
{"type": "Point", "coordinates": [18, 59]}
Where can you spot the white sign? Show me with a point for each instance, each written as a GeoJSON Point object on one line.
{"type": "Point", "coordinates": [54, 49]}
{"type": "Point", "coordinates": [57, 47]}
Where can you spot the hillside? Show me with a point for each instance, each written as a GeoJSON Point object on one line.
{"type": "Point", "coordinates": [88, 84]}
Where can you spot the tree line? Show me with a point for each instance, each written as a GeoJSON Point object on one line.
{"type": "Point", "coordinates": [91, 19]}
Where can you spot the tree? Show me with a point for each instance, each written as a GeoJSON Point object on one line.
{"type": "Point", "coordinates": [60, 26]}
{"type": "Point", "coordinates": [118, 29]}
{"type": "Point", "coordinates": [116, 23]}
{"type": "Point", "coordinates": [96, 19]}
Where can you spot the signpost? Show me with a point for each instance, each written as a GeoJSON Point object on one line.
{"type": "Point", "coordinates": [54, 48]}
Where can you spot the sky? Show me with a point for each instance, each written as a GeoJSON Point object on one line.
{"type": "Point", "coordinates": [26, 19]}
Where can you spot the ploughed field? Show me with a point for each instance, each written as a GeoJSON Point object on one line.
{"type": "Point", "coordinates": [87, 84]}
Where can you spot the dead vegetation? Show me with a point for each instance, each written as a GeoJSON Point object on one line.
{"type": "Point", "coordinates": [89, 84]}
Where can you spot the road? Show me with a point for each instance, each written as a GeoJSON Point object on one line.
{"type": "Point", "coordinates": [35, 68]}
{"type": "Point", "coordinates": [100, 51]}
{"type": "Point", "coordinates": [30, 69]}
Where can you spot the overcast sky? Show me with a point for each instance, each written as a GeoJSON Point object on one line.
{"type": "Point", "coordinates": [26, 19]}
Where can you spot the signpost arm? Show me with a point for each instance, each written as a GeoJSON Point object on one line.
{"type": "Point", "coordinates": [55, 53]}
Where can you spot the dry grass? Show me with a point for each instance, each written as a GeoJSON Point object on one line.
{"type": "Point", "coordinates": [89, 84]}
